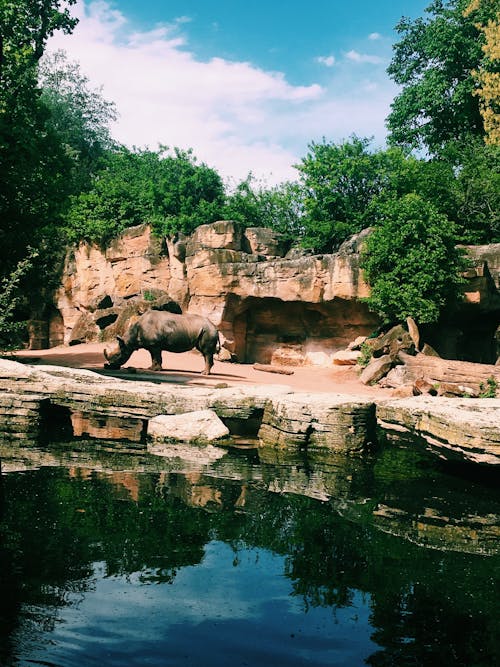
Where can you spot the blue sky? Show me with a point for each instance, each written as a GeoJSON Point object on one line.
{"type": "Point", "coordinates": [246, 85]}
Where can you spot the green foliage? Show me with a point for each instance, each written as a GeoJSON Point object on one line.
{"type": "Point", "coordinates": [339, 183]}
{"type": "Point", "coordinates": [255, 205]}
{"type": "Point", "coordinates": [33, 164]}
{"type": "Point", "coordinates": [148, 296]}
{"type": "Point", "coordinates": [366, 355]}
{"type": "Point", "coordinates": [170, 191]}
{"type": "Point", "coordinates": [347, 185]}
{"type": "Point", "coordinates": [434, 63]}
{"type": "Point", "coordinates": [477, 189]}
{"type": "Point", "coordinates": [490, 389]}
{"type": "Point", "coordinates": [411, 262]}
{"type": "Point", "coordinates": [79, 115]}
{"type": "Point", "coordinates": [10, 297]}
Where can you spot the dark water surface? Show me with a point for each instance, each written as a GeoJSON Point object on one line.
{"type": "Point", "coordinates": [133, 560]}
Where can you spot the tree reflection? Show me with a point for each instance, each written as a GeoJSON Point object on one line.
{"type": "Point", "coordinates": [57, 523]}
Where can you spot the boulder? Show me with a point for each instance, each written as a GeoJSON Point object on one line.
{"type": "Point", "coordinates": [266, 242]}
{"type": "Point", "coordinates": [223, 234]}
{"type": "Point", "coordinates": [392, 342]}
{"type": "Point", "coordinates": [199, 427]}
{"type": "Point", "coordinates": [455, 429]}
{"type": "Point", "coordinates": [346, 357]}
{"type": "Point", "coordinates": [429, 350]}
{"type": "Point", "coordinates": [357, 343]}
{"type": "Point", "coordinates": [376, 369]}
{"type": "Point", "coordinates": [404, 391]}
{"type": "Point", "coordinates": [329, 422]}
{"type": "Point", "coordinates": [413, 331]}
{"type": "Point", "coordinates": [288, 355]}
{"type": "Point", "coordinates": [396, 377]}
{"type": "Point", "coordinates": [85, 330]}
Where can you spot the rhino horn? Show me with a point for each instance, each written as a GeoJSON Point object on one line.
{"type": "Point", "coordinates": [105, 354]}
{"type": "Point", "coordinates": [121, 342]}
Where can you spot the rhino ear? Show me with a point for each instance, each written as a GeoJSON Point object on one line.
{"type": "Point", "coordinates": [121, 342]}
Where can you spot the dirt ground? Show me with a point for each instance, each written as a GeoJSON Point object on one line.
{"type": "Point", "coordinates": [185, 369]}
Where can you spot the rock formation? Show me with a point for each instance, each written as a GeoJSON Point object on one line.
{"type": "Point", "coordinates": [53, 401]}
{"type": "Point", "coordinates": [274, 304]}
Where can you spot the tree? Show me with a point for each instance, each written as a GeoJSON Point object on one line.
{"type": "Point", "coordinates": [347, 184]}
{"type": "Point", "coordinates": [79, 115]}
{"type": "Point", "coordinates": [478, 193]}
{"type": "Point", "coordinates": [25, 27]}
{"type": "Point", "coordinates": [340, 181]}
{"type": "Point", "coordinates": [411, 262]}
{"type": "Point", "coordinates": [11, 330]}
{"type": "Point", "coordinates": [488, 74]}
{"type": "Point", "coordinates": [169, 190]}
{"type": "Point", "coordinates": [434, 62]}
{"type": "Point", "coordinates": [32, 163]}
{"type": "Point", "coordinates": [279, 207]}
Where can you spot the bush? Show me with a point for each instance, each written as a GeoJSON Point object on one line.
{"type": "Point", "coordinates": [168, 189]}
{"type": "Point", "coordinates": [411, 262]}
{"type": "Point", "coordinates": [280, 207]}
{"type": "Point", "coordinates": [11, 332]}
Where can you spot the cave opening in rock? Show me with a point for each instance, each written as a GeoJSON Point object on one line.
{"type": "Point", "coordinates": [269, 330]}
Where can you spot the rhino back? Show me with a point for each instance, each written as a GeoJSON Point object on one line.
{"type": "Point", "coordinates": [170, 331]}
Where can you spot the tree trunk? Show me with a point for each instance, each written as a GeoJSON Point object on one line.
{"type": "Point", "coordinates": [436, 370]}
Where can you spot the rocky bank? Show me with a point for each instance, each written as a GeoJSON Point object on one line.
{"type": "Point", "coordinates": [40, 402]}
{"type": "Point", "coordinates": [275, 304]}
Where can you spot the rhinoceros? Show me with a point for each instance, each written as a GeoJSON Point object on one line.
{"type": "Point", "coordinates": [158, 330]}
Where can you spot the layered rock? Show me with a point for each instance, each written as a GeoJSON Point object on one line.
{"type": "Point", "coordinates": [331, 422]}
{"type": "Point", "coordinates": [271, 302]}
{"type": "Point", "coordinates": [83, 403]}
{"type": "Point", "coordinates": [261, 296]}
{"type": "Point", "coordinates": [455, 429]}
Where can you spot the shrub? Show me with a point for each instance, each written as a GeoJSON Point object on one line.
{"type": "Point", "coordinates": [10, 330]}
{"type": "Point", "coordinates": [411, 261]}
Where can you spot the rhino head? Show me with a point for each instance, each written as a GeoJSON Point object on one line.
{"type": "Point", "coordinates": [117, 356]}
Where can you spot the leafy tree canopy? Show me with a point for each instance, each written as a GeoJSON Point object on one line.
{"type": "Point", "coordinates": [477, 189]}
{"type": "Point", "coordinates": [488, 74]}
{"type": "Point", "coordinates": [339, 181]}
{"type": "Point", "coordinates": [166, 188]}
{"type": "Point", "coordinates": [79, 115]}
{"type": "Point", "coordinates": [346, 184]}
{"type": "Point", "coordinates": [255, 205]}
{"type": "Point", "coordinates": [411, 262]}
{"type": "Point", "coordinates": [25, 26]}
{"type": "Point", "coordinates": [434, 62]}
{"type": "Point", "coordinates": [32, 163]}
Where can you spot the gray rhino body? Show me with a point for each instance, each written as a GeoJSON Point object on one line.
{"type": "Point", "coordinates": [157, 330]}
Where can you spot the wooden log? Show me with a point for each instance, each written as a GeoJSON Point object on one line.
{"type": "Point", "coordinates": [269, 368]}
{"type": "Point", "coordinates": [436, 370]}
{"type": "Point", "coordinates": [413, 331]}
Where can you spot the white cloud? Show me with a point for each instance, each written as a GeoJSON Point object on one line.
{"type": "Point", "coordinates": [374, 36]}
{"type": "Point", "coordinates": [357, 57]}
{"type": "Point", "coordinates": [329, 61]}
{"type": "Point", "coordinates": [236, 116]}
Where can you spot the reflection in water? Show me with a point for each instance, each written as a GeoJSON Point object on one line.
{"type": "Point", "coordinates": [109, 560]}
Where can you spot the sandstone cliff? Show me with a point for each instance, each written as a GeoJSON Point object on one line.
{"type": "Point", "coordinates": [274, 304]}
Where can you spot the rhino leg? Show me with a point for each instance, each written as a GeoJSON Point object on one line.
{"type": "Point", "coordinates": [209, 362]}
{"type": "Point", "coordinates": [155, 359]}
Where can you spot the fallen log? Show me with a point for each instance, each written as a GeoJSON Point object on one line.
{"type": "Point", "coordinates": [269, 368]}
{"type": "Point", "coordinates": [437, 370]}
